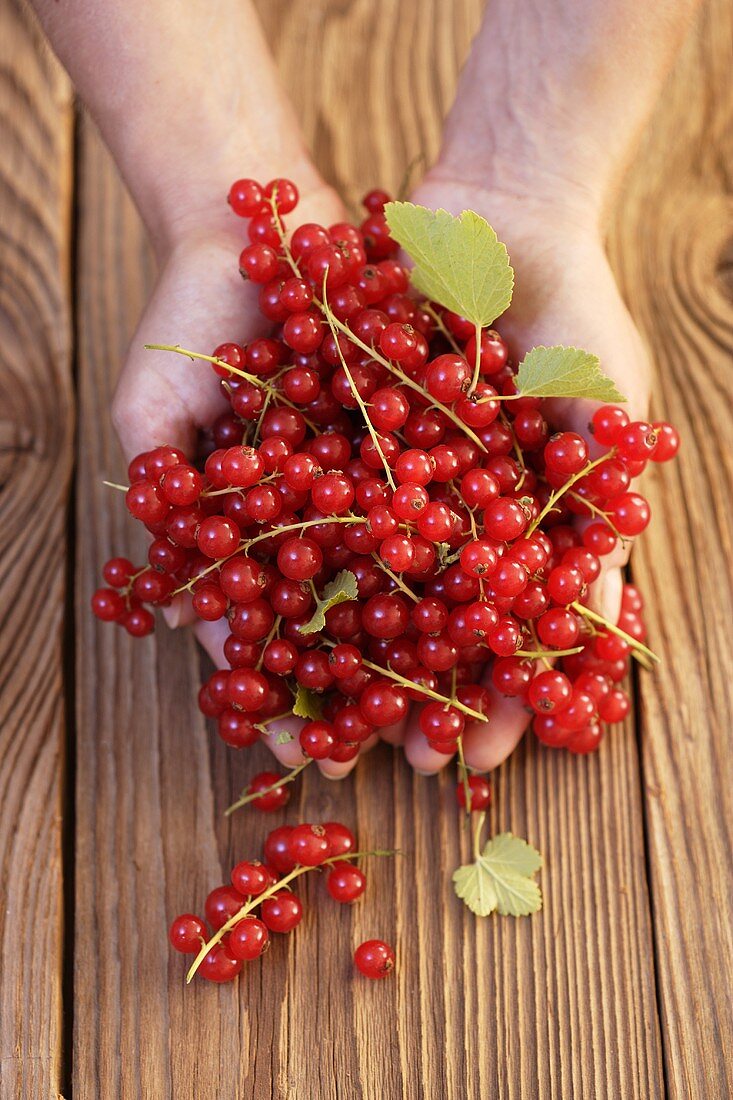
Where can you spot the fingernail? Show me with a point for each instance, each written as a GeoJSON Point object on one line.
{"type": "Point", "coordinates": [335, 778]}
{"type": "Point", "coordinates": [419, 771]}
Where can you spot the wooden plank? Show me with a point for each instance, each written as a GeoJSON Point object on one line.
{"type": "Point", "coordinates": [35, 463]}
{"type": "Point", "coordinates": [675, 259]}
{"type": "Point", "coordinates": [561, 1005]}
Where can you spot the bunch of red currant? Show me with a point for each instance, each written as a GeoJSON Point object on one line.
{"type": "Point", "coordinates": [242, 914]}
{"type": "Point", "coordinates": [361, 449]}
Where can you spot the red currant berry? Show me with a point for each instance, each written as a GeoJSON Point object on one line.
{"type": "Point", "coordinates": [374, 959]}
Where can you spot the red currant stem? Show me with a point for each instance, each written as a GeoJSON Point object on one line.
{"type": "Point", "coordinates": [599, 512]}
{"type": "Point", "coordinates": [357, 395]}
{"type": "Point", "coordinates": [477, 363]}
{"type": "Point", "coordinates": [441, 327]}
{"type": "Point", "coordinates": [247, 798]}
{"type": "Point", "coordinates": [636, 646]}
{"type": "Point", "coordinates": [515, 447]}
{"type": "Point", "coordinates": [236, 488]}
{"type": "Point", "coordinates": [246, 544]}
{"type": "Point", "coordinates": [251, 378]}
{"type": "Point", "coordinates": [426, 691]}
{"type": "Point", "coordinates": [114, 485]}
{"type": "Point", "coordinates": [555, 496]}
{"type": "Point", "coordinates": [546, 654]}
{"type": "Point", "coordinates": [404, 378]}
{"type": "Point", "coordinates": [477, 830]}
{"type": "Point", "coordinates": [260, 418]}
{"type": "Point", "coordinates": [208, 359]}
{"type": "Point", "coordinates": [463, 773]}
{"type": "Point", "coordinates": [262, 726]}
{"type": "Point", "coordinates": [270, 892]}
{"type": "Point", "coordinates": [273, 634]}
{"type": "Point", "coordinates": [400, 583]}
{"type": "Point", "coordinates": [280, 229]}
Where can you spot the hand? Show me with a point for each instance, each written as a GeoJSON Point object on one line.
{"type": "Point", "coordinates": [199, 301]}
{"type": "Point", "coordinates": [565, 293]}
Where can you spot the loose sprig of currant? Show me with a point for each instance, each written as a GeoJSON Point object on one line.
{"type": "Point", "coordinates": [241, 914]}
{"type": "Point", "coordinates": [385, 507]}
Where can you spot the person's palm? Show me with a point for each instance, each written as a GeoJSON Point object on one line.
{"type": "Point", "coordinates": [199, 301]}
{"type": "Point", "coordinates": [565, 293]}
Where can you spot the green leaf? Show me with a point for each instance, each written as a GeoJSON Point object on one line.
{"type": "Point", "coordinates": [565, 372]}
{"type": "Point", "coordinates": [459, 262]}
{"type": "Point", "coordinates": [343, 587]}
{"type": "Point", "coordinates": [283, 737]}
{"type": "Point", "coordinates": [307, 704]}
{"type": "Point", "coordinates": [501, 878]}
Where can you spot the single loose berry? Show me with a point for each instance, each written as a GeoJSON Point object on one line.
{"type": "Point", "coordinates": [374, 959]}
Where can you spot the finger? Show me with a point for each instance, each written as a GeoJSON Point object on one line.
{"type": "Point", "coordinates": [332, 769]}
{"type": "Point", "coordinates": [488, 744]}
{"type": "Point", "coordinates": [165, 398]}
{"type": "Point", "coordinates": [395, 734]}
{"type": "Point", "coordinates": [288, 753]}
{"type": "Point", "coordinates": [420, 755]}
{"type": "Point", "coordinates": [212, 637]}
{"type": "Point", "coordinates": [606, 593]}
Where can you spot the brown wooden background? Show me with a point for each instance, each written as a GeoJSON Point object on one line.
{"type": "Point", "coordinates": [111, 790]}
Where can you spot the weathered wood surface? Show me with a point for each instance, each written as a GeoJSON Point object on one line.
{"type": "Point", "coordinates": [618, 988]}
{"type": "Point", "coordinates": [673, 245]}
{"type": "Point", "coordinates": [36, 449]}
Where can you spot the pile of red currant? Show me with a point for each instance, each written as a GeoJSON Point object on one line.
{"type": "Point", "coordinates": [240, 915]}
{"type": "Point", "coordinates": [357, 443]}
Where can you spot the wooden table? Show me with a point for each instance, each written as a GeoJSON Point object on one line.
{"type": "Point", "coordinates": [112, 790]}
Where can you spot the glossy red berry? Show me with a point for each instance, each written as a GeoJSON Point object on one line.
{"type": "Point", "coordinates": [187, 934]}
{"type": "Point", "coordinates": [345, 883]}
{"type": "Point", "coordinates": [271, 794]}
{"type": "Point", "coordinates": [248, 939]}
{"type": "Point", "coordinates": [282, 912]}
{"type": "Point", "coordinates": [479, 790]}
{"type": "Point", "coordinates": [374, 959]}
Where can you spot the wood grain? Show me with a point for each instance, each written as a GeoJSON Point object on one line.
{"type": "Point", "coordinates": [675, 266]}
{"type": "Point", "coordinates": [567, 1004]}
{"type": "Point", "coordinates": [35, 463]}
{"type": "Point", "coordinates": [511, 1009]}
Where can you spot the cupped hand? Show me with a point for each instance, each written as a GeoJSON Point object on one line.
{"type": "Point", "coordinates": [199, 301]}
{"type": "Point", "coordinates": [565, 293]}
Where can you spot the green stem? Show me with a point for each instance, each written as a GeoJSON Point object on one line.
{"type": "Point", "coordinates": [463, 770]}
{"type": "Point", "coordinates": [400, 583]}
{"type": "Point", "coordinates": [550, 506]}
{"type": "Point", "coordinates": [114, 485]}
{"type": "Point", "coordinates": [404, 378]}
{"type": "Point", "coordinates": [207, 359]}
{"type": "Point", "coordinates": [545, 654]}
{"type": "Point", "coordinates": [638, 647]}
{"type": "Point", "coordinates": [436, 696]}
{"type": "Point", "coordinates": [596, 511]}
{"type": "Point", "coordinates": [245, 546]}
{"type": "Point", "coordinates": [441, 327]}
{"type": "Point", "coordinates": [476, 840]}
{"type": "Point", "coordinates": [477, 362]}
{"type": "Point", "coordinates": [357, 395]}
{"type": "Point", "coordinates": [270, 892]}
{"type": "Point", "coordinates": [247, 798]}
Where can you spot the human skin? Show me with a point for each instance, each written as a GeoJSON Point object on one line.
{"type": "Point", "coordinates": [547, 116]}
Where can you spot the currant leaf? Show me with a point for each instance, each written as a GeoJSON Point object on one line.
{"type": "Point", "coordinates": [565, 372]}
{"type": "Point", "coordinates": [343, 587]}
{"type": "Point", "coordinates": [306, 704]}
{"type": "Point", "coordinates": [459, 262]}
{"type": "Point", "coordinates": [501, 878]}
